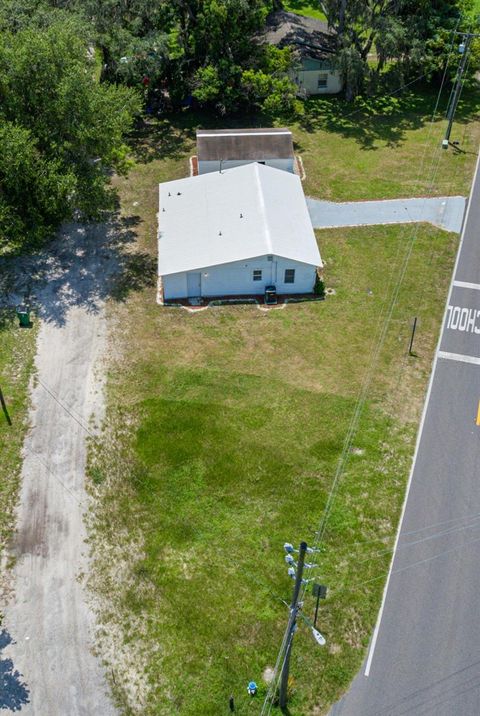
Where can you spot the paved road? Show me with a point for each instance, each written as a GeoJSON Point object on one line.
{"type": "Point", "coordinates": [446, 212]}
{"type": "Point", "coordinates": [425, 653]}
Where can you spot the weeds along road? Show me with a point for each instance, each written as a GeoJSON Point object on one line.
{"type": "Point", "coordinates": [47, 626]}
{"type": "Point", "coordinates": [424, 656]}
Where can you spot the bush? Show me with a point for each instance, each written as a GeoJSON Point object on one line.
{"type": "Point", "coordinates": [319, 288]}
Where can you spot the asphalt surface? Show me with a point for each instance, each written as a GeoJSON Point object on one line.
{"type": "Point", "coordinates": [424, 656]}
{"type": "Point", "coordinates": [445, 212]}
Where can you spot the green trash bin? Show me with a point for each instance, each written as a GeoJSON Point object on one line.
{"type": "Point", "coordinates": [23, 314]}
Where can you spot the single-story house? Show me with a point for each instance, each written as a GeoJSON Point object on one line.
{"type": "Point", "coordinates": [314, 44]}
{"type": "Point", "coordinates": [219, 149]}
{"type": "Point", "coordinates": [232, 233]}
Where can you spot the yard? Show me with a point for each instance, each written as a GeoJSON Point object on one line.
{"type": "Point", "coordinates": [310, 8]}
{"type": "Point", "coordinates": [224, 429]}
{"type": "Point", "coordinates": [16, 361]}
{"type": "Point", "coordinates": [379, 148]}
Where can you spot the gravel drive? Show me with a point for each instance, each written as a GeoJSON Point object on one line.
{"type": "Point", "coordinates": [47, 666]}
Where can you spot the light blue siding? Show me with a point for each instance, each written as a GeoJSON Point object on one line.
{"type": "Point", "coordinates": [236, 279]}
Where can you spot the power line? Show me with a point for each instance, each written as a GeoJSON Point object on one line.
{"type": "Point", "coordinates": [55, 477]}
{"type": "Point", "coordinates": [378, 345]}
{"type": "Point", "coordinates": [376, 352]}
{"type": "Point", "coordinates": [417, 563]}
{"type": "Point", "coordinates": [404, 362]}
{"type": "Point", "coordinates": [292, 623]}
{"type": "Point", "coordinates": [464, 49]}
{"type": "Point", "coordinates": [67, 410]}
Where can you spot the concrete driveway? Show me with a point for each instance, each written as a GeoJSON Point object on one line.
{"type": "Point", "coordinates": [445, 212]}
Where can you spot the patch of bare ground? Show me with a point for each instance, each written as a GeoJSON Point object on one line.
{"type": "Point", "coordinates": [122, 636]}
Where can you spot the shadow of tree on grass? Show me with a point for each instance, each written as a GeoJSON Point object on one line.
{"type": "Point", "coordinates": [384, 118]}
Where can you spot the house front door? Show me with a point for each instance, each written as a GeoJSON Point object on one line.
{"type": "Point", "coordinates": [194, 285]}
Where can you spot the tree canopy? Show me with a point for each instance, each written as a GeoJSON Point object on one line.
{"type": "Point", "coordinates": [60, 130]}
{"type": "Point", "coordinates": [414, 34]}
{"type": "Point", "coordinates": [75, 73]}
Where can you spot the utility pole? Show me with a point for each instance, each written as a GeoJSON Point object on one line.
{"type": "Point", "coordinates": [292, 624]}
{"type": "Point", "coordinates": [4, 408]}
{"type": "Point", "coordinates": [464, 48]}
{"type": "Point", "coordinates": [412, 336]}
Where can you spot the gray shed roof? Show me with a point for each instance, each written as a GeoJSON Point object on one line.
{"type": "Point", "coordinates": [310, 37]}
{"type": "Point", "coordinates": [253, 144]}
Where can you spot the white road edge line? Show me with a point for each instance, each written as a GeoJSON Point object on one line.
{"type": "Point", "coordinates": [466, 284]}
{"type": "Point", "coordinates": [420, 431]}
{"type": "Point", "coordinates": [459, 357]}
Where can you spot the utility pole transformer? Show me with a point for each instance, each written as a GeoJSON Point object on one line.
{"type": "Point", "coordinates": [292, 624]}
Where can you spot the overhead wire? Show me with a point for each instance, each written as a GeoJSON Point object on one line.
{"type": "Point", "coordinates": [433, 181]}
{"type": "Point", "coordinates": [378, 343]}
{"type": "Point", "coordinates": [67, 409]}
{"type": "Point", "coordinates": [52, 474]}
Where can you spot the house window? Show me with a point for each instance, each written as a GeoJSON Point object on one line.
{"type": "Point", "coordinates": [322, 81]}
{"type": "Point", "coordinates": [289, 275]}
{"type": "Point", "coordinates": [257, 274]}
{"type": "Point", "coordinates": [270, 257]}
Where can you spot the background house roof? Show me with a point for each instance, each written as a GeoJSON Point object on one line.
{"type": "Point", "coordinates": [254, 144]}
{"type": "Point", "coordinates": [217, 218]}
{"type": "Point", "coordinates": [308, 36]}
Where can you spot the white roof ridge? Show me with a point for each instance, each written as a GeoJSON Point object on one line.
{"type": "Point", "coordinates": [263, 211]}
{"type": "Point", "coordinates": [258, 209]}
{"type": "Point", "coordinates": [242, 134]}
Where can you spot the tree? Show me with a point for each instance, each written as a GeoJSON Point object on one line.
{"type": "Point", "coordinates": [198, 47]}
{"type": "Point", "coordinates": [413, 33]}
{"type": "Point", "coordinates": [34, 191]}
{"type": "Point", "coordinates": [62, 129]}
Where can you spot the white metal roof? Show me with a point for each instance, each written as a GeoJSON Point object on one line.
{"type": "Point", "coordinates": [241, 213]}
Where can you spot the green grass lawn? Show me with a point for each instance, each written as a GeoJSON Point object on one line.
{"type": "Point", "coordinates": [224, 429]}
{"type": "Point", "coordinates": [16, 362]}
{"type": "Point", "coordinates": [310, 8]}
{"type": "Point", "coordinates": [369, 149]}
{"type": "Point", "coordinates": [224, 432]}
{"type": "Point", "coordinates": [387, 147]}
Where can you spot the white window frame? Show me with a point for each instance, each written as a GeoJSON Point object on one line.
{"type": "Point", "coordinates": [291, 273]}
{"type": "Point", "coordinates": [257, 274]}
{"type": "Point", "coordinates": [322, 81]}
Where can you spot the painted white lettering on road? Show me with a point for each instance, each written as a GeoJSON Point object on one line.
{"type": "Point", "coordinates": [463, 319]}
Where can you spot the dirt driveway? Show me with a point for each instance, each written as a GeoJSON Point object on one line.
{"type": "Point", "coordinates": [47, 666]}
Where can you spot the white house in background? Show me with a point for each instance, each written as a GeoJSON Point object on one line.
{"type": "Point", "coordinates": [219, 149]}
{"type": "Point", "coordinates": [314, 45]}
{"type": "Point", "coordinates": [234, 233]}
